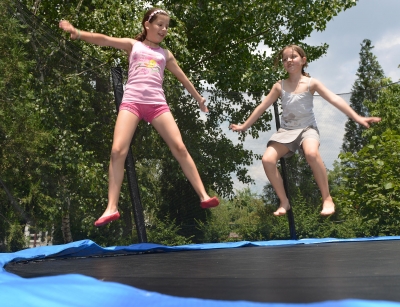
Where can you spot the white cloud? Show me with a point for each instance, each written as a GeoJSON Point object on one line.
{"type": "Point", "coordinates": [388, 41]}
{"type": "Point", "coordinates": [387, 52]}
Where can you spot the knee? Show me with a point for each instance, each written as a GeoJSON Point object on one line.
{"type": "Point", "coordinates": [118, 152]}
{"type": "Point", "coordinates": [312, 156]}
{"type": "Point", "coordinates": [268, 162]}
{"type": "Point", "coordinates": [179, 151]}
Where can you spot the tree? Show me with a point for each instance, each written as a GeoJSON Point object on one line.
{"type": "Point", "coordinates": [50, 136]}
{"type": "Point", "coordinates": [372, 182]}
{"type": "Point", "coordinates": [20, 133]}
{"type": "Point", "coordinates": [369, 79]}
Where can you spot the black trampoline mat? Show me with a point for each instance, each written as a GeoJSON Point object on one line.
{"type": "Point", "coordinates": [367, 270]}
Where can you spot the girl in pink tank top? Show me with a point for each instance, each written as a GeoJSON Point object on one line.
{"type": "Point", "coordinates": [145, 75]}
{"type": "Point", "coordinates": [144, 98]}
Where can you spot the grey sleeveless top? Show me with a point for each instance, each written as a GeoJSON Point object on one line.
{"type": "Point", "coordinates": [297, 110]}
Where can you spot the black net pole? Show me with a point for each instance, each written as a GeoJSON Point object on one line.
{"type": "Point", "coordinates": [289, 214]}
{"type": "Point", "coordinates": [116, 73]}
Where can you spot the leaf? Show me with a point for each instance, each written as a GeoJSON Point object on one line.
{"type": "Point", "coordinates": [388, 185]}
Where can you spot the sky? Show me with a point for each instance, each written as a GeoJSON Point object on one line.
{"type": "Point", "coordinates": [376, 20]}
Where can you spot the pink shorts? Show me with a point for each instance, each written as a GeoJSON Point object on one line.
{"type": "Point", "coordinates": [144, 111]}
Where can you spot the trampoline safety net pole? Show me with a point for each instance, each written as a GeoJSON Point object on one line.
{"type": "Point", "coordinates": [289, 214]}
{"type": "Point", "coordinates": [116, 73]}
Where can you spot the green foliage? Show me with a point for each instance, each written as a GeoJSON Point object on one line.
{"type": "Point", "coordinates": [20, 132]}
{"type": "Point", "coordinates": [372, 184]}
{"type": "Point", "coordinates": [50, 129]}
{"type": "Point", "coordinates": [166, 232]}
{"type": "Point", "coordinates": [248, 217]}
{"type": "Point", "coordinates": [217, 227]}
{"type": "Point", "coordinates": [235, 220]}
{"type": "Point", "coordinates": [15, 238]}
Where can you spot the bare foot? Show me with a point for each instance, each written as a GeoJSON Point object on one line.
{"type": "Point", "coordinates": [328, 207]}
{"type": "Point", "coordinates": [282, 210]}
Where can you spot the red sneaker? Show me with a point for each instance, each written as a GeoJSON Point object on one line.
{"type": "Point", "coordinates": [107, 219]}
{"type": "Point", "coordinates": [209, 203]}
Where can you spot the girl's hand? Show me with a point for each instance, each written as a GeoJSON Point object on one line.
{"type": "Point", "coordinates": [202, 105]}
{"type": "Point", "coordinates": [237, 128]}
{"type": "Point", "coordinates": [67, 27]}
{"type": "Point", "coordinates": [366, 121]}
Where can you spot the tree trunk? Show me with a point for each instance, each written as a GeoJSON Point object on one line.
{"type": "Point", "coordinates": [66, 226]}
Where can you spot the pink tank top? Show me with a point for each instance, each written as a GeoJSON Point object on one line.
{"type": "Point", "coordinates": [145, 75]}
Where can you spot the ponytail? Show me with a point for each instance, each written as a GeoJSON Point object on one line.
{"type": "Point", "coordinates": [305, 73]}
{"type": "Point", "coordinates": [141, 36]}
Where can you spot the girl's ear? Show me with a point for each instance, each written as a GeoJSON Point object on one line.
{"type": "Point", "coordinates": [304, 59]}
{"type": "Point", "coordinates": [146, 25]}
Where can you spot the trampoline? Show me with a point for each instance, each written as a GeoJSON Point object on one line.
{"type": "Point", "coordinates": [315, 272]}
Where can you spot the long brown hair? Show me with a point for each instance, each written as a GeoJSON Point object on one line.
{"type": "Point", "coordinates": [299, 50]}
{"type": "Point", "coordinates": [150, 17]}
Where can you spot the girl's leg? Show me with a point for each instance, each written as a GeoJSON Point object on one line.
{"type": "Point", "coordinates": [311, 152]}
{"type": "Point", "coordinates": [125, 127]}
{"type": "Point", "coordinates": [271, 156]}
{"type": "Point", "coordinates": [169, 131]}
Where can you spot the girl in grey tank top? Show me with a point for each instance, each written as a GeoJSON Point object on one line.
{"type": "Point", "coordinates": [299, 127]}
{"type": "Point", "coordinates": [297, 109]}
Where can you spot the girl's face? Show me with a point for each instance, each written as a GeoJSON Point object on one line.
{"type": "Point", "coordinates": [158, 28]}
{"type": "Point", "coordinates": [292, 61]}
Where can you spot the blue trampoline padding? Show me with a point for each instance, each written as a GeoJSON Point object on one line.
{"type": "Point", "coordinates": [79, 290]}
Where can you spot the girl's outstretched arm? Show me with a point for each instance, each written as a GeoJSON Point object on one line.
{"type": "Point", "coordinates": [173, 67]}
{"type": "Point", "coordinates": [341, 104]}
{"type": "Point", "coordinates": [97, 38]}
{"type": "Point", "coordinates": [260, 109]}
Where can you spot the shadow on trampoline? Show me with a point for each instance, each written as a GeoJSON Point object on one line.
{"type": "Point", "coordinates": [367, 270]}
